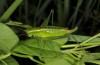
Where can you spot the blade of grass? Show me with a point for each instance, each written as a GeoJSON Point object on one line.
{"type": "Point", "coordinates": [89, 44]}
{"type": "Point", "coordinates": [10, 10]}
{"type": "Point", "coordinates": [40, 11]}
{"type": "Point", "coordinates": [42, 8]}
{"type": "Point", "coordinates": [37, 10]}
{"type": "Point", "coordinates": [2, 4]}
{"type": "Point", "coordinates": [66, 8]}
{"type": "Point", "coordinates": [74, 16]}
{"type": "Point", "coordinates": [94, 18]}
{"type": "Point", "coordinates": [59, 12]}
{"type": "Point", "coordinates": [26, 11]}
{"type": "Point", "coordinates": [65, 12]}
{"type": "Point", "coordinates": [89, 7]}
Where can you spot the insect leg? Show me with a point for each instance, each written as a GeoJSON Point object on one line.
{"type": "Point", "coordinates": [40, 45]}
{"type": "Point", "coordinates": [44, 51]}
{"type": "Point", "coordinates": [51, 46]}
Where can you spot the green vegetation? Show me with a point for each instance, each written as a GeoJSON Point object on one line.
{"type": "Point", "coordinates": [26, 37]}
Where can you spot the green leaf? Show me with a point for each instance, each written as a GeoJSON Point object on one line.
{"type": "Point", "coordinates": [38, 47]}
{"type": "Point", "coordinates": [61, 41]}
{"type": "Point", "coordinates": [8, 61]}
{"type": "Point", "coordinates": [63, 56]}
{"type": "Point", "coordinates": [87, 57]}
{"type": "Point", "coordinates": [81, 38]}
{"type": "Point", "coordinates": [91, 56]}
{"type": "Point", "coordinates": [95, 55]}
{"type": "Point", "coordinates": [95, 61]}
{"type": "Point", "coordinates": [80, 62]}
{"type": "Point", "coordinates": [58, 61]}
{"type": "Point", "coordinates": [8, 38]}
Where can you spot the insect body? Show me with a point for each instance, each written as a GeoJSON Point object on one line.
{"type": "Point", "coordinates": [45, 35]}
{"type": "Point", "coordinates": [49, 31]}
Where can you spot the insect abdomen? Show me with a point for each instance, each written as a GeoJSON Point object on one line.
{"type": "Point", "coordinates": [49, 32]}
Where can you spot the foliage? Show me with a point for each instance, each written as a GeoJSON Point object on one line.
{"type": "Point", "coordinates": [59, 51]}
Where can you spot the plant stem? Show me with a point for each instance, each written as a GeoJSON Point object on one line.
{"type": "Point", "coordinates": [4, 56]}
{"type": "Point", "coordinates": [27, 56]}
{"type": "Point", "coordinates": [19, 55]}
{"type": "Point", "coordinates": [88, 44]}
{"type": "Point", "coordinates": [31, 58]}
{"type": "Point", "coordinates": [3, 62]}
{"type": "Point", "coordinates": [97, 35]}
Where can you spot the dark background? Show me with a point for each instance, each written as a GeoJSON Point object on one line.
{"type": "Point", "coordinates": [67, 13]}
